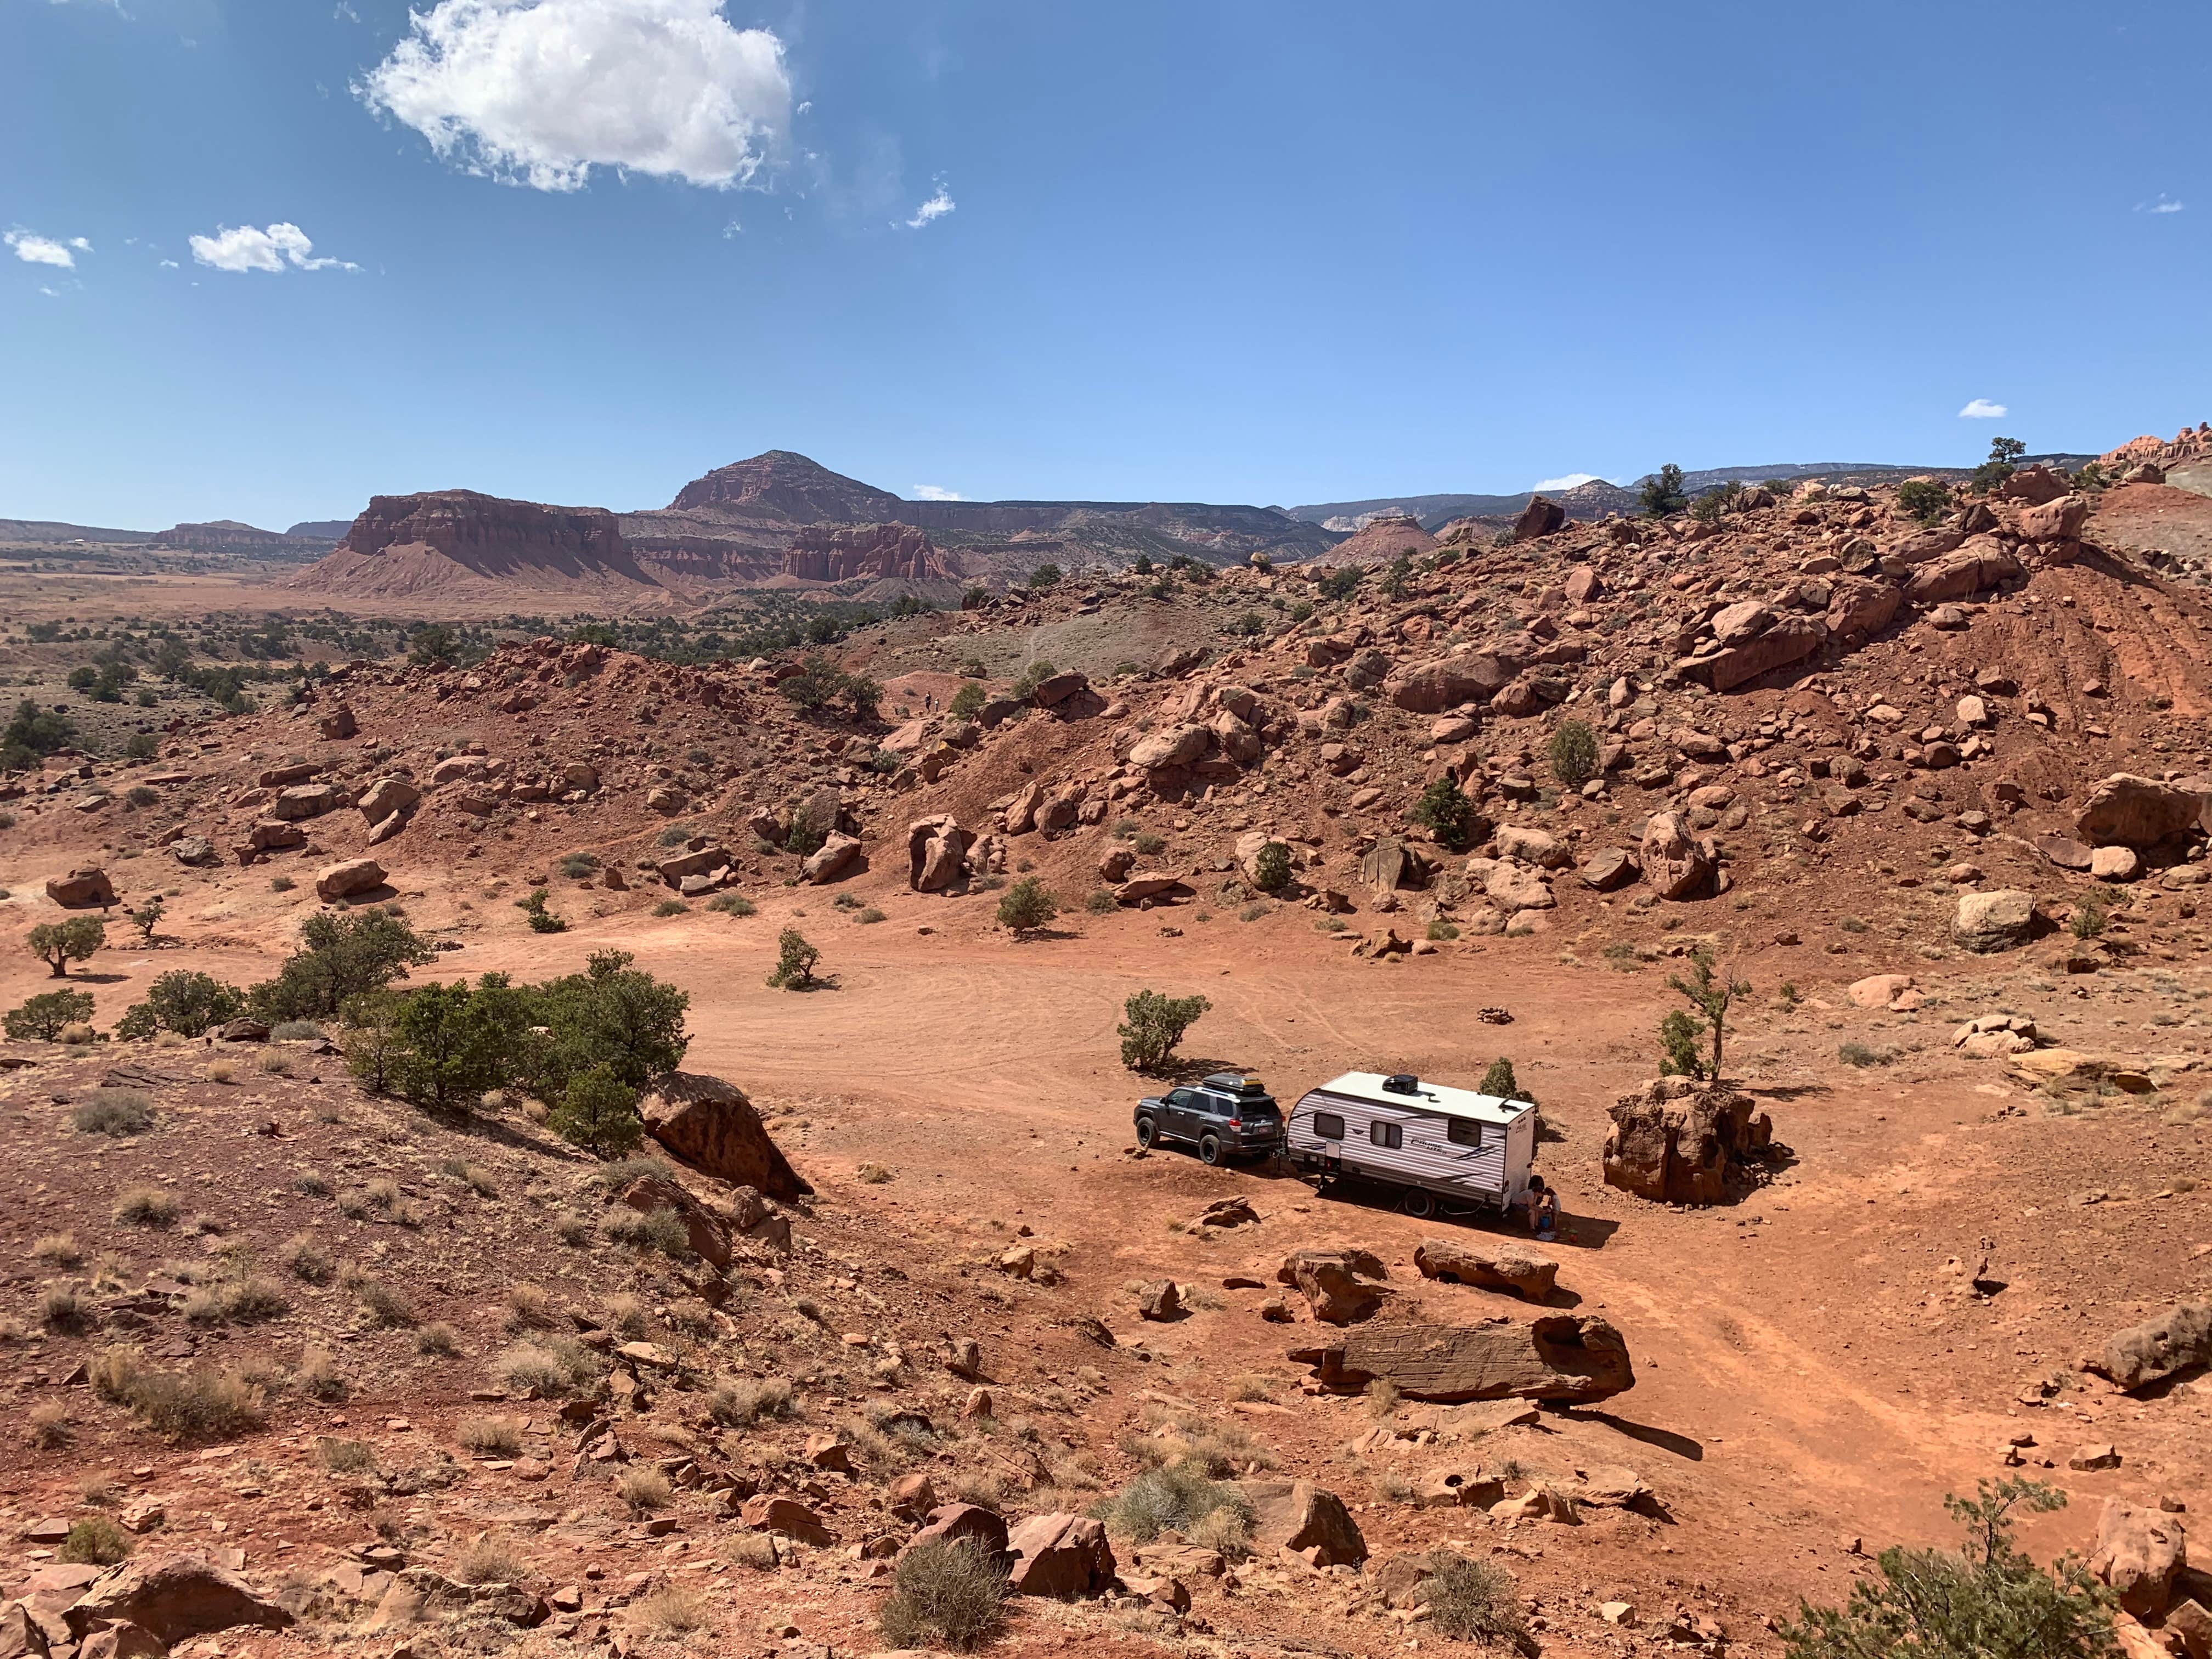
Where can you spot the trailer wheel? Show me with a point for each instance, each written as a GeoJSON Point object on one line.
{"type": "Point", "coordinates": [1209, 1150]}
{"type": "Point", "coordinates": [1417, 1202]}
{"type": "Point", "coordinates": [1147, 1134]}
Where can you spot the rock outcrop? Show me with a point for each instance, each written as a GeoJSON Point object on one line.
{"type": "Point", "coordinates": [2140, 1552]}
{"type": "Point", "coordinates": [1330, 1280]}
{"type": "Point", "coordinates": [1675, 1143]}
{"type": "Point", "coordinates": [1577, 1358]}
{"type": "Point", "coordinates": [2175, 1342]}
{"type": "Point", "coordinates": [1065, 1557]}
{"type": "Point", "coordinates": [2126, 811]}
{"type": "Point", "coordinates": [454, 541]}
{"type": "Point", "coordinates": [711, 1126]}
{"type": "Point", "coordinates": [1492, 1264]}
{"type": "Point", "coordinates": [840, 553]}
{"type": "Point", "coordinates": [81, 888]}
{"type": "Point", "coordinates": [2001, 921]}
{"type": "Point", "coordinates": [174, 1598]}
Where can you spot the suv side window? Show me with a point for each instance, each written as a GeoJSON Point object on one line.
{"type": "Point", "coordinates": [1182, 1097]}
{"type": "Point", "coordinates": [1205, 1100]}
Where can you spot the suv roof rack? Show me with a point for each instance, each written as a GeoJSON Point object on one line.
{"type": "Point", "coordinates": [1242, 1083]}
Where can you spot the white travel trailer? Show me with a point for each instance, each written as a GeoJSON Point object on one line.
{"type": "Point", "coordinates": [1431, 1143]}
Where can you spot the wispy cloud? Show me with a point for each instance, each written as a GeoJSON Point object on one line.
{"type": "Point", "coordinates": [34, 249]}
{"type": "Point", "coordinates": [1981, 409]}
{"type": "Point", "coordinates": [937, 493]}
{"type": "Point", "coordinates": [933, 209]}
{"type": "Point", "coordinates": [2165, 203]}
{"type": "Point", "coordinates": [540, 92]}
{"type": "Point", "coordinates": [244, 248]}
{"type": "Point", "coordinates": [1570, 481]}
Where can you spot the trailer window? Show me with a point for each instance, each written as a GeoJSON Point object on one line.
{"type": "Point", "coordinates": [1463, 1133]}
{"type": "Point", "coordinates": [1328, 1126]}
{"type": "Point", "coordinates": [1386, 1134]}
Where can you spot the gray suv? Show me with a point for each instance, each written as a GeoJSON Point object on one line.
{"type": "Point", "coordinates": [1226, 1115]}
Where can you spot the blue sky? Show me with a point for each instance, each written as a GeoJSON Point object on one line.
{"type": "Point", "coordinates": [584, 250]}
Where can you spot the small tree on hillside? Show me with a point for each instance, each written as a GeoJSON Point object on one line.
{"type": "Point", "coordinates": [598, 1110]}
{"type": "Point", "coordinates": [1447, 811]}
{"type": "Point", "coordinates": [794, 961]}
{"type": "Point", "coordinates": [1662, 492]}
{"type": "Point", "coordinates": [148, 916]}
{"type": "Point", "coordinates": [1709, 992]}
{"type": "Point", "coordinates": [1574, 753]}
{"type": "Point", "coordinates": [1924, 499]}
{"type": "Point", "coordinates": [41, 1018]}
{"type": "Point", "coordinates": [1680, 1040]}
{"type": "Point", "coordinates": [58, 944]}
{"type": "Point", "coordinates": [191, 1003]}
{"type": "Point", "coordinates": [1026, 906]}
{"type": "Point", "coordinates": [1044, 575]}
{"type": "Point", "coordinates": [1153, 1025]}
{"type": "Point", "coordinates": [967, 701]}
{"type": "Point", "coordinates": [1986, 1602]}
{"type": "Point", "coordinates": [2003, 462]}
{"type": "Point", "coordinates": [1499, 1082]}
{"type": "Point", "coordinates": [1271, 868]}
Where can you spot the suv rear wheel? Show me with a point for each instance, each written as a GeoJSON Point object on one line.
{"type": "Point", "coordinates": [1148, 1132]}
{"type": "Point", "coordinates": [1209, 1150]}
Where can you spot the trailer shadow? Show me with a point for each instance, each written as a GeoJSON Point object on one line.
{"type": "Point", "coordinates": [1583, 1232]}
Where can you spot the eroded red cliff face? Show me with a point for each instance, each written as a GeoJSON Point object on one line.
{"type": "Point", "coordinates": [422, 544]}
{"type": "Point", "coordinates": [831, 553]}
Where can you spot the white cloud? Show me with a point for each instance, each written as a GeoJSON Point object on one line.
{"type": "Point", "coordinates": [2164, 204]}
{"type": "Point", "coordinates": [934, 209]}
{"type": "Point", "coordinates": [1983, 409]}
{"type": "Point", "coordinates": [244, 248]}
{"type": "Point", "coordinates": [539, 92]}
{"type": "Point", "coordinates": [937, 493]}
{"type": "Point", "coordinates": [1570, 481]}
{"type": "Point", "coordinates": [36, 250]}
{"type": "Point", "coordinates": [169, 264]}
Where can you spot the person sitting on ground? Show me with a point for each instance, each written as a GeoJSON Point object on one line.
{"type": "Point", "coordinates": [1530, 1198]}
{"type": "Point", "coordinates": [1547, 1216]}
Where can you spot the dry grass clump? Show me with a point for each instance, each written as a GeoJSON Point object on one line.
{"type": "Point", "coordinates": [644, 1488]}
{"type": "Point", "coordinates": [529, 1307]}
{"type": "Point", "coordinates": [438, 1341]}
{"type": "Point", "coordinates": [756, 1550]}
{"type": "Point", "coordinates": [144, 1207]}
{"type": "Point", "coordinates": [1471, 1600]}
{"type": "Point", "coordinates": [626, 1314]}
{"type": "Point", "coordinates": [305, 1260]}
{"type": "Point", "coordinates": [1181, 1498]}
{"type": "Point", "coordinates": [742, 1403]}
{"type": "Point", "coordinates": [387, 1309]}
{"type": "Point", "coordinates": [490, 1560]}
{"type": "Point", "coordinates": [474, 1177]}
{"type": "Point", "coordinates": [1381, 1398]}
{"type": "Point", "coordinates": [95, 1542]}
{"type": "Point", "coordinates": [572, 1229]}
{"type": "Point", "coordinates": [1215, 1449]}
{"type": "Point", "coordinates": [551, 1365]}
{"type": "Point", "coordinates": [222, 1071]}
{"type": "Point", "coordinates": [200, 1404]}
{"type": "Point", "coordinates": [945, 1594]}
{"type": "Point", "coordinates": [671, 1610]}
{"type": "Point", "coordinates": [253, 1299]}
{"type": "Point", "coordinates": [648, 1230]}
{"type": "Point", "coordinates": [317, 1378]}
{"type": "Point", "coordinates": [114, 1112]}
{"type": "Point", "coordinates": [344, 1456]}
{"type": "Point", "coordinates": [489, 1437]}
{"type": "Point", "coordinates": [60, 1308]}
{"type": "Point", "coordinates": [56, 1251]}
{"type": "Point", "coordinates": [276, 1062]}
{"type": "Point", "coordinates": [49, 1425]}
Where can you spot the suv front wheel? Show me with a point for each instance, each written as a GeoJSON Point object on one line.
{"type": "Point", "coordinates": [1146, 1131]}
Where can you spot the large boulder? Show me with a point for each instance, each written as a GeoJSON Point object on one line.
{"type": "Point", "coordinates": [1512, 887]}
{"type": "Point", "coordinates": [81, 888]}
{"type": "Point", "coordinates": [1390, 864]}
{"type": "Point", "coordinates": [1052, 692]}
{"type": "Point", "coordinates": [1537, 847]}
{"type": "Point", "coordinates": [696, 862]}
{"type": "Point", "coordinates": [1430, 688]}
{"type": "Point", "coordinates": [711, 1126]}
{"type": "Point", "coordinates": [174, 1597]}
{"type": "Point", "coordinates": [649, 1195]}
{"type": "Point", "coordinates": [2140, 1552]}
{"type": "Point", "coordinates": [306, 800]}
{"type": "Point", "coordinates": [1307, 1520]}
{"type": "Point", "coordinates": [1676, 864]}
{"type": "Point", "coordinates": [1608, 868]}
{"type": "Point", "coordinates": [1576, 1358]}
{"type": "Point", "coordinates": [1160, 886]}
{"type": "Point", "coordinates": [1994, 921]}
{"type": "Point", "coordinates": [1065, 1557]}
{"type": "Point", "coordinates": [1330, 1281]}
{"type": "Point", "coordinates": [346, 878]}
{"type": "Point", "coordinates": [2127, 811]}
{"type": "Point", "coordinates": [2176, 1341]}
{"type": "Point", "coordinates": [1674, 1143]}
{"type": "Point", "coordinates": [1177, 746]}
{"type": "Point", "coordinates": [1861, 604]}
{"type": "Point", "coordinates": [835, 857]}
{"type": "Point", "coordinates": [1539, 518]}
{"type": "Point", "coordinates": [951, 1522]}
{"type": "Point", "coordinates": [936, 853]}
{"type": "Point", "coordinates": [386, 796]}
{"type": "Point", "coordinates": [2059, 521]}
{"type": "Point", "coordinates": [1983, 563]}
{"type": "Point", "coordinates": [1492, 1264]}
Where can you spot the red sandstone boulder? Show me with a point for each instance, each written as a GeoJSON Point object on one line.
{"type": "Point", "coordinates": [711, 1126]}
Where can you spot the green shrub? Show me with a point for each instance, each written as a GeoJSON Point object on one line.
{"type": "Point", "coordinates": [1680, 1045]}
{"type": "Point", "coordinates": [1445, 808]}
{"type": "Point", "coordinates": [967, 701]}
{"type": "Point", "coordinates": [1150, 843]}
{"type": "Point", "coordinates": [1471, 1600]}
{"type": "Point", "coordinates": [1101, 902]}
{"type": "Point", "coordinates": [578, 866]}
{"type": "Point", "coordinates": [1032, 677]}
{"type": "Point", "coordinates": [2088, 921]}
{"type": "Point", "coordinates": [191, 1003]}
{"type": "Point", "coordinates": [1339, 585]}
{"type": "Point", "coordinates": [340, 956]}
{"type": "Point", "coordinates": [41, 1018]}
{"type": "Point", "coordinates": [649, 1229]}
{"type": "Point", "coordinates": [733, 904]}
{"type": "Point", "coordinates": [1271, 868]}
{"type": "Point", "coordinates": [1153, 1024]}
{"type": "Point", "coordinates": [1924, 499]}
{"type": "Point", "coordinates": [542, 921]}
{"type": "Point", "coordinates": [1499, 1082]}
{"type": "Point", "coordinates": [1662, 493]}
{"type": "Point", "coordinates": [1573, 753]}
{"type": "Point", "coordinates": [116, 1112]}
{"type": "Point", "coordinates": [58, 944]}
{"type": "Point", "coordinates": [1174, 1497]}
{"type": "Point", "coordinates": [95, 1542]}
{"type": "Point", "coordinates": [795, 961]}
{"type": "Point", "coordinates": [1986, 1602]}
{"type": "Point", "coordinates": [1026, 907]}
{"type": "Point", "coordinates": [949, 1594]}
{"type": "Point", "coordinates": [670, 906]}
{"type": "Point", "coordinates": [597, 1110]}
{"type": "Point", "coordinates": [1857, 1054]}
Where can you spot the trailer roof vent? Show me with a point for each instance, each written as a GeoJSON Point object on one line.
{"type": "Point", "coordinates": [1403, 1083]}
